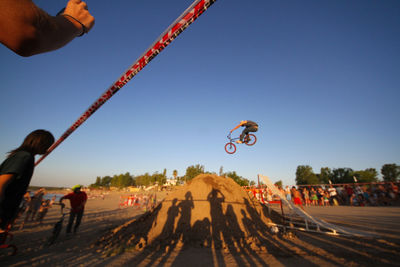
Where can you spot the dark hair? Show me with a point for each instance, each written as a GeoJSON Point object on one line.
{"type": "Point", "coordinates": [37, 142]}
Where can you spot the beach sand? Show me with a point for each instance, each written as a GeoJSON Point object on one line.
{"type": "Point", "coordinates": [302, 249]}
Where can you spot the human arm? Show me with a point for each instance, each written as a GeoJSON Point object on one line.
{"type": "Point", "coordinates": [240, 124]}
{"type": "Point", "coordinates": [5, 179]}
{"type": "Point", "coordinates": [27, 30]}
{"type": "Point", "coordinates": [61, 201]}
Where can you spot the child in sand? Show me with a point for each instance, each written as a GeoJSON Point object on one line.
{"type": "Point", "coordinates": [43, 210]}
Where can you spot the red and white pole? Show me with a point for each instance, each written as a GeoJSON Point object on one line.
{"type": "Point", "coordinates": [177, 27]}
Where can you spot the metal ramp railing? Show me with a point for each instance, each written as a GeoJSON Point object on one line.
{"type": "Point", "coordinates": [298, 219]}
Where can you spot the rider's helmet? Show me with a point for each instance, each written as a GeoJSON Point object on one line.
{"type": "Point", "coordinates": [78, 186]}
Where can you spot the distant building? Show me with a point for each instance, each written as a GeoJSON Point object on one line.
{"type": "Point", "coordinates": [133, 189]}
{"type": "Point", "coordinates": [171, 182]}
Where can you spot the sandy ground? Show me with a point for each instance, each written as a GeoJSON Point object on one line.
{"type": "Point", "coordinates": [301, 249]}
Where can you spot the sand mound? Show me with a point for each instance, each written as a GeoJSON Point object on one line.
{"type": "Point", "coordinates": [210, 211]}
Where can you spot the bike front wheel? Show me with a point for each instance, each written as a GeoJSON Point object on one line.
{"type": "Point", "coordinates": [55, 234]}
{"type": "Point", "coordinates": [230, 148]}
{"type": "Point", "coordinates": [250, 139]}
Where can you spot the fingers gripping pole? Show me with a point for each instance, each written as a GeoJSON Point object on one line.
{"type": "Point", "coordinates": [177, 27]}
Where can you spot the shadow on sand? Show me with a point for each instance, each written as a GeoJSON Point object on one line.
{"type": "Point", "coordinates": [243, 239]}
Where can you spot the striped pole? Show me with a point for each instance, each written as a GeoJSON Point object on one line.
{"type": "Point", "coordinates": [176, 28]}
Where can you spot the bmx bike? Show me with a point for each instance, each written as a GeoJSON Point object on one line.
{"type": "Point", "coordinates": [230, 147]}
{"type": "Point", "coordinates": [58, 225]}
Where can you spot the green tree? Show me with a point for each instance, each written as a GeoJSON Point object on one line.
{"type": "Point", "coordinates": [342, 176]}
{"type": "Point", "coordinates": [193, 171]}
{"type": "Point", "coordinates": [97, 183]}
{"type": "Point", "coordinates": [122, 180]}
{"type": "Point", "coordinates": [325, 175]}
{"type": "Point", "coordinates": [175, 173]}
{"type": "Point", "coordinates": [238, 179]}
{"type": "Point", "coordinates": [158, 178]}
{"type": "Point", "coordinates": [143, 180]}
{"type": "Point", "coordinates": [305, 175]}
{"type": "Point", "coordinates": [279, 184]}
{"type": "Point", "coordinates": [106, 181]}
{"type": "Point", "coordinates": [366, 176]}
{"type": "Point", "coordinates": [390, 172]}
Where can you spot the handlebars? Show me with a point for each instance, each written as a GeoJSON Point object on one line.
{"type": "Point", "coordinates": [62, 205]}
{"type": "Point", "coordinates": [59, 203]}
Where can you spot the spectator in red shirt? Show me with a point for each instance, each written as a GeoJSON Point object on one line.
{"type": "Point", "coordinates": [77, 200]}
{"type": "Point", "coordinates": [350, 195]}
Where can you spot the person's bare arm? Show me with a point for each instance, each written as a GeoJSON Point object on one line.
{"type": "Point", "coordinates": [28, 30]}
{"type": "Point", "coordinates": [5, 179]}
{"type": "Point", "coordinates": [240, 124]}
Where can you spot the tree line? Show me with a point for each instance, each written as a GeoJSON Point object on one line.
{"type": "Point", "coordinates": [306, 175]}
{"type": "Point", "coordinates": [125, 180]}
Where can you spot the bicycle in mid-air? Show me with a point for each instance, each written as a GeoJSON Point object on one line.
{"type": "Point", "coordinates": [249, 139]}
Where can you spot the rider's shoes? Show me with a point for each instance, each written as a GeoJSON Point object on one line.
{"type": "Point", "coordinates": [239, 142]}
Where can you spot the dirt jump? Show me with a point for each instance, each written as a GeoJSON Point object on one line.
{"type": "Point", "coordinates": [211, 221]}
{"type": "Point", "coordinates": [215, 217]}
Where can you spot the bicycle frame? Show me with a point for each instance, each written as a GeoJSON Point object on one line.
{"type": "Point", "coordinates": [230, 147]}
{"type": "Point", "coordinates": [231, 140]}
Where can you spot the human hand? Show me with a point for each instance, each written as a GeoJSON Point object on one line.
{"type": "Point", "coordinates": [79, 10]}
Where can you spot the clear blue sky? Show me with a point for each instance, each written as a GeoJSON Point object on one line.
{"type": "Point", "coordinates": [320, 77]}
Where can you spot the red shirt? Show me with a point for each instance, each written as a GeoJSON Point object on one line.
{"type": "Point", "coordinates": [349, 191]}
{"type": "Point", "coordinates": [77, 200]}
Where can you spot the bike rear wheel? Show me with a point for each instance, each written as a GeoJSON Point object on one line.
{"type": "Point", "coordinates": [250, 139]}
{"type": "Point", "coordinates": [230, 148]}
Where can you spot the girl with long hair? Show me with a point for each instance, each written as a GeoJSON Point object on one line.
{"type": "Point", "coordinates": [16, 173]}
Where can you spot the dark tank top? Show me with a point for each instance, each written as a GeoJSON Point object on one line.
{"type": "Point", "coordinates": [250, 124]}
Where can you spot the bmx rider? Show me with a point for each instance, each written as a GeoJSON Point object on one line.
{"type": "Point", "coordinates": [250, 126]}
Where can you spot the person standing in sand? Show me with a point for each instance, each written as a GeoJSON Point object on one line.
{"type": "Point", "coordinates": [44, 208]}
{"type": "Point", "coordinates": [250, 126]}
{"type": "Point", "coordinates": [16, 173]}
{"type": "Point", "coordinates": [77, 200]}
{"type": "Point", "coordinates": [33, 206]}
{"type": "Point", "coordinates": [297, 197]}
{"type": "Point", "coordinates": [36, 202]}
{"type": "Point", "coordinates": [24, 203]}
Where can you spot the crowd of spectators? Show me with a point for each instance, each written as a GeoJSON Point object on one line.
{"type": "Point", "coordinates": [140, 201]}
{"type": "Point", "coordinates": [378, 194]}
{"type": "Point", "coordinates": [371, 194]}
